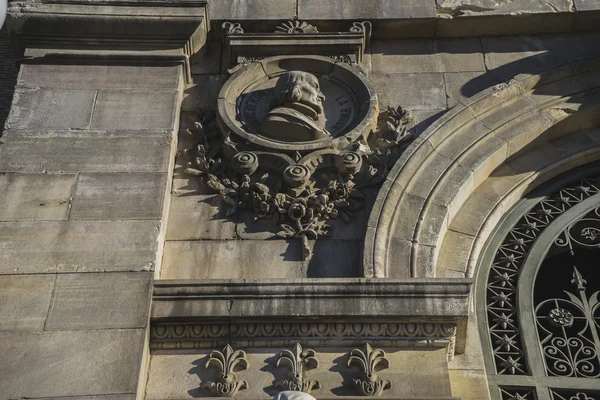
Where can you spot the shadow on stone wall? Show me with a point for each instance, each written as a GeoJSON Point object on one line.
{"type": "Point", "coordinates": [8, 78]}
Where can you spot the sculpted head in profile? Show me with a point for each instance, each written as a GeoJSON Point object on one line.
{"type": "Point", "coordinates": [297, 114]}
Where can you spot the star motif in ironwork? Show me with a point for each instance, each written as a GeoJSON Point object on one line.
{"type": "Point", "coordinates": [502, 279]}
{"type": "Point", "coordinates": [504, 320]}
{"type": "Point", "coordinates": [517, 396]}
{"type": "Point", "coordinates": [501, 298]}
{"type": "Point", "coordinates": [506, 341]}
{"type": "Point", "coordinates": [510, 364]}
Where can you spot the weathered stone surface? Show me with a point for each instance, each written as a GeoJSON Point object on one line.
{"type": "Point", "coordinates": [335, 259]}
{"type": "Point", "coordinates": [462, 85]}
{"type": "Point", "coordinates": [70, 363]}
{"type": "Point", "coordinates": [100, 397]}
{"type": "Point", "coordinates": [77, 246]}
{"type": "Point", "coordinates": [203, 93]}
{"type": "Point", "coordinates": [469, 384]}
{"type": "Point", "coordinates": [100, 301]}
{"type": "Point", "coordinates": [356, 9]}
{"type": "Point", "coordinates": [232, 259]}
{"type": "Point", "coordinates": [51, 109]}
{"type": "Point", "coordinates": [252, 9]}
{"type": "Point", "coordinates": [261, 229]}
{"type": "Point", "coordinates": [208, 62]}
{"type": "Point", "coordinates": [508, 57]}
{"type": "Point", "coordinates": [426, 55]}
{"type": "Point", "coordinates": [574, 46]}
{"type": "Point", "coordinates": [587, 5]}
{"type": "Point", "coordinates": [35, 196]}
{"type": "Point", "coordinates": [454, 254]}
{"type": "Point", "coordinates": [497, 7]}
{"type": "Point", "coordinates": [135, 110]}
{"type": "Point", "coordinates": [412, 91]}
{"type": "Point", "coordinates": [111, 196]}
{"type": "Point", "coordinates": [24, 301]}
{"type": "Point", "coordinates": [85, 151]}
{"type": "Point", "coordinates": [198, 217]}
{"type": "Point", "coordinates": [65, 76]}
{"type": "Point", "coordinates": [403, 56]}
{"type": "Point", "coordinates": [459, 55]}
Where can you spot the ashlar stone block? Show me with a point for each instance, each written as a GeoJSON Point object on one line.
{"type": "Point", "coordinates": [35, 196]}
{"type": "Point", "coordinates": [587, 5]}
{"type": "Point", "coordinates": [508, 57]}
{"type": "Point", "coordinates": [77, 246]}
{"type": "Point", "coordinates": [63, 76]}
{"type": "Point", "coordinates": [335, 259]}
{"type": "Point", "coordinates": [128, 109]}
{"type": "Point", "coordinates": [371, 9]}
{"type": "Point", "coordinates": [93, 151]}
{"type": "Point", "coordinates": [426, 55]}
{"type": "Point", "coordinates": [252, 9]}
{"type": "Point", "coordinates": [100, 301]}
{"type": "Point", "coordinates": [231, 259]}
{"type": "Point", "coordinates": [116, 196]}
{"type": "Point", "coordinates": [198, 217]}
{"type": "Point", "coordinates": [24, 301]}
{"type": "Point", "coordinates": [70, 363]}
{"type": "Point", "coordinates": [412, 91]}
{"type": "Point", "coordinates": [51, 109]}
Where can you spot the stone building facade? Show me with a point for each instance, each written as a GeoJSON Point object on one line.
{"type": "Point", "coordinates": [349, 198]}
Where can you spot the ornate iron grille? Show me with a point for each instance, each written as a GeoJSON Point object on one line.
{"type": "Point", "coordinates": [574, 394]}
{"type": "Point", "coordinates": [518, 394]}
{"type": "Point", "coordinates": [567, 308]}
{"type": "Point", "coordinates": [503, 326]}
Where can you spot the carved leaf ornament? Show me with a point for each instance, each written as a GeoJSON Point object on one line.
{"type": "Point", "coordinates": [298, 361]}
{"type": "Point", "coordinates": [370, 361]}
{"type": "Point", "coordinates": [227, 383]}
{"type": "Point", "coordinates": [292, 197]}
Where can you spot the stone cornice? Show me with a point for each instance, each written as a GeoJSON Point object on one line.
{"type": "Point", "coordinates": [423, 302]}
{"type": "Point", "coordinates": [108, 29]}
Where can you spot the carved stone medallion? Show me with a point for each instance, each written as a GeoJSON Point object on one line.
{"type": "Point", "coordinates": [297, 139]}
{"type": "Point", "coordinates": [297, 104]}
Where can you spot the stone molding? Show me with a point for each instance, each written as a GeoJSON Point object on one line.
{"type": "Point", "coordinates": [468, 145]}
{"type": "Point", "coordinates": [139, 32]}
{"type": "Point", "coordinates": [196, 335]}
{"type": "Point", "coordinates": [296, 38]}
{"type": "Point", "coordinates": [413, 313]}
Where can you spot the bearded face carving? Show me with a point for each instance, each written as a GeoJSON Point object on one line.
{"type": "Point", "coordinates": [297, 114]}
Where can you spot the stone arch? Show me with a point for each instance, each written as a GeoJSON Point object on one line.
{"type": "Point", "coordinates": [454, 182]}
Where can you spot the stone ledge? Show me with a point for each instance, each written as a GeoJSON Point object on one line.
{"type": "Point", "coordinates": [422, 301]}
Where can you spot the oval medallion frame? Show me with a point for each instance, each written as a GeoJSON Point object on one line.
{"type": "Point", "coordinates": [357, 119]}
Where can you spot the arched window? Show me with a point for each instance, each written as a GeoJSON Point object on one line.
{"type": "Point", "coordinates": [538, 294]}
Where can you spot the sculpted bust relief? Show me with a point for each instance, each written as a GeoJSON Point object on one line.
{"type": "Point", "coordinates": [297, 113]}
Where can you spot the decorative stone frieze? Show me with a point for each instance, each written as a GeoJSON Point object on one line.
{"type": "Point", "coordinates": [298, 361]}
{"type": "Point", "coordinates": [299, 138]}
{"type": "Point", "coordinates": [190, 335]}
{"type": "Point", "coordinates": [370, 361]}
{"type": "Point", "coordinates": [227, 383]}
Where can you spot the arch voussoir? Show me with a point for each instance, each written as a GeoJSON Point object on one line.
{"type": "Point", "coordinates": [453, 184]}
